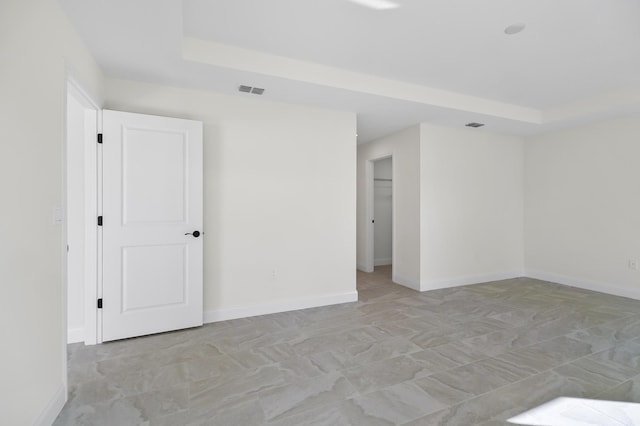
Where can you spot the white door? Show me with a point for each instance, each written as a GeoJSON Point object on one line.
{"type": "Point", "coordinates": [151, 224]}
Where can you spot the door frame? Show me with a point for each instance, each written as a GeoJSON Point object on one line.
{"type": "Point", "coordinates": [92, 126]}
{"type": "Point", "coordinates": [370, 197]}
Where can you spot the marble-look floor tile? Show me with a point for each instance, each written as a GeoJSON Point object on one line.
{"type": "Point", "coordinates": [626, 353]}
{"type": "Point", "coordinates": [471, 355]}
{"type": "Point", "coordinates": [210, 395]}
{"type": "Point", "coordinates": [609, 303]}
{"type": "Point", "coordinates": [219, 366]}
{"type": "Point", "coordinates": [533, 362]}
{"type": "Point", "coordinates": [515, 317]}
{"type": "Point", "coordinates": [504, 402]}
{"type": "Point", "coordinates": [594, 318]}
{"type": "Point", "coordinates": [294, 398]}
{"type": "Point", "coordinates": [161, 402]}
{"type": "Point", "coordinates": [539, 332]}
{"type": "Point", "coordinates": [382, 374]}
{"type": "Point", "coordinates": [628, 391]}
{"type": "Point", "coordinates": [81, 373]}
{"type": "Point", "coordinates": [500, 341]}
{"type": "Point", "coordinates": [251, 358]}
{"type": "Point", "coordinates": [262, 338]}
{"type": "Point", "coordinates": [389, 316]}
{"type": "Point", "coordinates": [474, 379]}
{"type": "Point", "coordinates": [246, 413]}
{"type": "Point", "coordinates": [133, 410]}
{"type": "Point", "coordinates": [537, 389]}
{"type": "Point", "coordinates": [299, 366]}
{"type": "Point", "coordinates": [120, 385]}
{"type": "Point", "coordinates": [432, 362]}
{"type": "Point", "coordinates": [416, 325]}
{"type": "Point", "coordinates": [488, 310]}
{"type": "Point", "coordinates": [309, 345]}
{"type": "Point", "coordinates": [626, 328]}
{"type": "Point", "coordinates": [396, 404]}
{"type": "Point", "coordinates": [277, 352]}
{"type": "Point", "coordinates": [598, 374]}
{"type": "Point", "coordinates": [560, 349]}
{"type": "Point", "coordinates": [118, 411]}
{"type": "Point", "coordinates": [367, 353]}
{"type": "Point", "coordinates": [478, 327]}
{"type": "Point", "coordinates": [496, 423]}
{"type": "Point", "coordinates": [452, 416]}
{"type": "Point", "coordinates": [324, 415]}
{"type": "Point", "coordinates": [460, 352]}
{"type": "Point", "coordinates": [330, 361]}
{"type": "Point", "coordinates": [436, 336]}
{"type": "Point", "coordinates": [442, 392]}
{"type": "Point", "coordinates": [599, 337]}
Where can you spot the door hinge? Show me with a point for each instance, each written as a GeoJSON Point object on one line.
{"type": "Point", "coordinates": [100, 303]}
{"type": "Point", "coordinates": [99, 137]}
{"type": "Point", "coordinates": [99, 220]}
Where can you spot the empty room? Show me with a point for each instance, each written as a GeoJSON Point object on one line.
{"type": "Point", "coordinates": [338, 212]}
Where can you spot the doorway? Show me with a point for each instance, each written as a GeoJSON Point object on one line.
{"type": "Point", "coordinates": [383, 212]}
{"type": "Point", "coordinates": [380, 238]}
{"type": "Point", "coordinates": [159, 157]}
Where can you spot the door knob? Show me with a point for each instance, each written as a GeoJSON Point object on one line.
{"type": "Point", "coordinates": [194, 233]}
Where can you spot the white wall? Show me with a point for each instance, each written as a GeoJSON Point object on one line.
{"type": "Point", "coordinates": [383, 169]}
{"type": "Point", "coordinates": [382, 211]}
{"type": "Point", "coordinates": [405, 149]}
{"type": "Point", "coordinates": [279, 194]}
{"type": "Point", "coordinates": [471, 206]}
{"type": "Point", "coordinates": [75, 220]}
{"type": "Point", "coordinates": [35, 42]}
{"type": "Point", "coordinates": [583, 206]}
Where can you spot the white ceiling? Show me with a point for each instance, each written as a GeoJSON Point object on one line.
{"type": "Point", "coordinates": [440, 61]}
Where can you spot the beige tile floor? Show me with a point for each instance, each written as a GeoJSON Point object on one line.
{"type": "Point", "coordinates": [472, 355]}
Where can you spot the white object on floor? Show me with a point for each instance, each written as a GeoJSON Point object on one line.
{"type": "Point", "coordinates": [565, 411]}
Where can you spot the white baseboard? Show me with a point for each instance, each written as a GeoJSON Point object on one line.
{"type": "Point", "coordinates": [216, 315]}
{"type": "Point", "coordinates": [468, 279]}
{"type": "Point", "coordinates": [75, 335]}
{"type": "Point", "coordinates": [382, 262]}
{"type": "Point", "coordinates": [584, 284]}
{"type": "Point", "coordinates": [414, 285]}
{"type": "Point", "coordinates": [53, 408]}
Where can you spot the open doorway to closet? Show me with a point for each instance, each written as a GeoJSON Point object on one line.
{"type": "Point", "coordinates": [378, 236]}
{"type": "Point", "coordinates": [383, 213]}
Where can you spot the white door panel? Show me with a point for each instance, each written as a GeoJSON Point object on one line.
{"type": "Point", "coordinates": [152, 201]}
{"type": "Point", "coordinates": [153, 264]}
{"type": "Point", "coordinates": [154, 181]}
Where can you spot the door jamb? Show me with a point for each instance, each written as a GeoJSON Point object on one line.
{"type": "Point", "coordinates": [92, 125]}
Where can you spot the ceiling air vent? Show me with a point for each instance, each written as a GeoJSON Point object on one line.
{"type": "Point", "coordinates": [474, 124]}
{"type": "Point", "coordinates": [249, 89]}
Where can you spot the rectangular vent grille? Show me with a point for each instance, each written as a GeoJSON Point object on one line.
{"type": "Point", "coordinates": [474, 124]}
{"type": "Point", "coordinates": [249, 89]}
